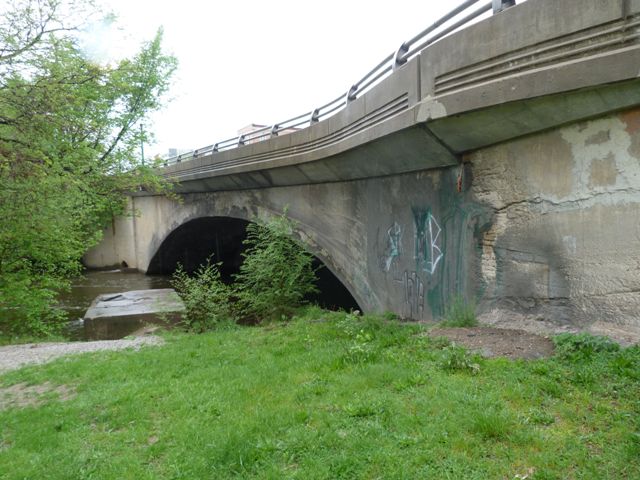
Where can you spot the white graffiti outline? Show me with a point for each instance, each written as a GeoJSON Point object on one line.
{"type": "Point", "coordinates": [433, 263]}
{"type": "Point", "coordinates": [395, 240]}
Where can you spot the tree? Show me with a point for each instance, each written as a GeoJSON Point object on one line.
{"type": "Point", "coordinates": [68, 144]}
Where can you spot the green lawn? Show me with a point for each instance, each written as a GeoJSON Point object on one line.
{"type": "Point", "coordinates": [326, 396]}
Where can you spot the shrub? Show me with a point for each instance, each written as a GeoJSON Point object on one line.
{"type": "Point", "coordinates": [277, 272]}
{"type": "Point", "coordinates": [275, 276]}
{"type": "Point", "coordinates": [582, 345]}
{"type": "Point", "coordinates": [206, 298]}
{"type": "Point", "coordinates": [460, 314]}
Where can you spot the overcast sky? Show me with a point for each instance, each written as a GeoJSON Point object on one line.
{"type": "Point", "coordinates": [258, 61]}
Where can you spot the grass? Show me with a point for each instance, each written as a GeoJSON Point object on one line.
{"type": "Point", "coordinates": [22, 339]}
{"type": "Point", "coordinates": [460, 313]}
{"type": "Point", "coordinates": [326, 396]}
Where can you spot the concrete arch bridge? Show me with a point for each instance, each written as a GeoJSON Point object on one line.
{"type": "Point", "coordinates": [498, 160]}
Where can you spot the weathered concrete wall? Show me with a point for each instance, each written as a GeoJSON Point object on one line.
{"type": "Point", "coordinates": [563, 250]}
{"type": "Point", "coordinates": [543, 231]}
{"type": "Point", "coordinates": [117, 245]}
{"type": "Point", "coordinates": [403, 243]}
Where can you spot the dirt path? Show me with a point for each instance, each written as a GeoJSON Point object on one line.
{"type": "Point", "coordinates": [15, 356]}
{"type": "Point", "coordinates": [498, 342]}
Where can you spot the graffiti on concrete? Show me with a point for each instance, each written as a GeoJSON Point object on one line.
{"type": "Point", "coordinates": [393, 247]}
{"type": "Point", "coordinates": [413, 294]}
{"type": "Point", "coordinates": [427, 248]}
{"type": "Point", "coordinates": [414, 291]}
{"type": "Point", "coordinates": [428, 254]}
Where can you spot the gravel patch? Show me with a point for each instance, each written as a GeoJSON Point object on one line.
{"type": "Point", "coordinates": [13, 357]}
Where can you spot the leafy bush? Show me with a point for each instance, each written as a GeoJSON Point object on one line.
{"type": "Point", "coordinates": [460, 314]}
{"type": "Point", "coordinates": [275, 276]}
{"type": "Point", "coordinates": [27, 305]}
{"type": "Point", "coordinates": [582, 345]}
{"type": "Point", "coordinates": [206, 298]}
{"type": "Point", "coordinates": [277, 272]}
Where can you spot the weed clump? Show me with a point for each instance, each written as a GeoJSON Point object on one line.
{"type": "Point", "coordinates": [582, 345]}
{"type": "Point", "coordinates": [359, 335]}
{"type": "Point", "coordinates": [492, 424]}
{"type": "Point", "coordinates": [457, 359]}
{"type": "Point", "coordinates": [460, 314]}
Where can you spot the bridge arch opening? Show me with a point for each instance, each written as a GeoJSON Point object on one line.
{"type": "Point", "coordinates": [221, 238]}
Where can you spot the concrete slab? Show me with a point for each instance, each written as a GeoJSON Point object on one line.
{"type": "Point", "coordinates": [116, 315]}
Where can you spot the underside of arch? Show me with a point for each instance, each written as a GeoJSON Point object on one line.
{"type": "Point", "coordinates": [220, 239]}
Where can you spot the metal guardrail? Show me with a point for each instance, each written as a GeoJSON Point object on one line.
{"type": "Point", "coordinates": [446, 25]}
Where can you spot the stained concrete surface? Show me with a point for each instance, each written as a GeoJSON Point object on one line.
{"type": "Point", "coordinates": [113, 316]}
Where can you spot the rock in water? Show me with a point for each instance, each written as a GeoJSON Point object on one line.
{"type": "Point", "coordinates": [115, 315]}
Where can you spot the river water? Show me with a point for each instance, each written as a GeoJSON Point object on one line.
{"type": "Point", "coordinates": [86, 288]}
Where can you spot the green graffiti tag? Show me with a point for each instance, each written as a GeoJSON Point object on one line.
{"type": "Point", "coordinates": [428, 253]}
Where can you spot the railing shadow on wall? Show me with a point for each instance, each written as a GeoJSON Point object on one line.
{"type": "Point", "coordinates": [465, 14]}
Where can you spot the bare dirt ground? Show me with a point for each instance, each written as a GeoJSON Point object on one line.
{"type": "Point", "coordinates": [23, 395]}
{"type": "Point", "coordinates": [498, 342]}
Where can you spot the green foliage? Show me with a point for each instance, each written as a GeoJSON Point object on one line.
{"type": "Point", "coordinates": [626, 363]}
{"type": "Point", "coordinates": [582, 345]}
{"type": "Point", "coordinates": [366, 337]}
{"type": "Point", "coordinates": [68, 151]}
{"type": "Point", "coordinates": [537, 416]}
{"type": "Point", "coordinates": [460, 314]}
{"type": "Point", "coordinates": [277, 271]}
{"type": "Point", "coordinates": [359, 335]}
{"type": "Point", "coordinates": [206, 297]}
{"type": "Point", "coordinates": [492, 423]}
{"type": "Point", "coordinates": [363, 408]}
{"type": "Point", "coordinates": [457, 359]}
{"type": "Point", "coordinates": [274, 278]}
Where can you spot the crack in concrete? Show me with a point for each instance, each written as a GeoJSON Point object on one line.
{"type": "Point", "coordinates": [623, 195]}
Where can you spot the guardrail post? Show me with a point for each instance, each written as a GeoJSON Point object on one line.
{"type": "Point", "coordinates": [241, 140]}
{"type": "Point", "coordinates": [500, 5]}
{"type": "Point", "coordinates": [274, 130]}
{"type": "Point", "coordinates": [398, 58]}
{"type": "Point", "coordinates": [351, 94]}
{"type": "Point", "coordinates": [315, 116]}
